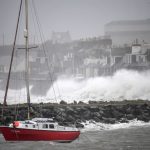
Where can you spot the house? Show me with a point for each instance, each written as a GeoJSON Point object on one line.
{"type": "Point", "coordinates": [138, 58]}
{"type": "Point", "coordinates": [133, 57]}
{"type": "Point", "coordinates": [117, 54]}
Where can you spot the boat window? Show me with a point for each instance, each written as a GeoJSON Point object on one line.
{"type": "Point", "coordinates": [51, 126]}
{"type": "Point", "coordinates": [26, 125]}
{"type": "Point", "coordinates": [45, 125]}
{"type": "Point", "coordinates": [33, 126]}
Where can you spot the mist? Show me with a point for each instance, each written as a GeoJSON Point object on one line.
{"type": "Point", "coordinates": [83, 18]}
{"type": "Point", "coordinates": [124, 84]}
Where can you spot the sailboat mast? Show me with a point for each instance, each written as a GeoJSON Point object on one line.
{"type": "Point", "coordinates": [11, 61]}
{"type": "Point", "coordinates": [26, 35]}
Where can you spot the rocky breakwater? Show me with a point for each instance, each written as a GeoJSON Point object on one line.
{"type": "Point", "coordinates": [69, 114]}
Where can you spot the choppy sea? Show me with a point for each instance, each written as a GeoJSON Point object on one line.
{"type": "Point", "coordinates": [134, 135]}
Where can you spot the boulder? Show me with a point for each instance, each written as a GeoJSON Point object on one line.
{"type": "Point", "coordinates": [130, 116]}
{"type": "Point", "coordinates": [109, 120]}
{"type": "Point", "coordinates": [79, 125]}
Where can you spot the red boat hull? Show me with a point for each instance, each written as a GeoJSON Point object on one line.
{"type": "Point", "coordinates": [19, 134]}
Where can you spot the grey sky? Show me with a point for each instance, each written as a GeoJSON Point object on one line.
{"type": "Point", "coordinates": [83, 18]}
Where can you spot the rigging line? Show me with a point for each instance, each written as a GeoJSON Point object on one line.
{"type": "Point", "coordinates": [35, 31]}
{"type": "Point", "coordinates": [34, 24]}
{"type": "Point", "coordinates": [15, 79]}
{"type": "Point", "coordinates": [39, 27]}
{"type": "Point", "coordinates": [14, 45]}
{"type": "Point", "coordinates": [48, 63]}
{"type": "Point", "coordinates": [17, 96]}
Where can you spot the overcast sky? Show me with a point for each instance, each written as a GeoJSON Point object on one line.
{"type": "Point", "coordinates": [83, 18]}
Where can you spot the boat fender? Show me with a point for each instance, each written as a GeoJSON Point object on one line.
{"type": "Point", "coordinates": [15, 124]}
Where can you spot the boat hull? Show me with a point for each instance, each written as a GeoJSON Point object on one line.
{"type": "Point", "coordinates": [19, 134]}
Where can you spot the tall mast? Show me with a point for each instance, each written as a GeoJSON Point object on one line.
{"type": "Point", "coordinates": [26, 35]}
{"type": "Point", "coordinates": [11, 61]}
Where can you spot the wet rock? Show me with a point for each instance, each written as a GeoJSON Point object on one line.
{"type": "Point", "coordinates": [123, 120]}
{"type": "Point", "coordinates": [109, 120]}
{"type": "Point", "coordinates": [79, 125]}
{"type": "Point", "coordinates": [98, 113]}
{"type": "Point", "coordinates": [63, 102]}
{"type": "Point", "coordinates": [96, 119]}
{"type": "Point", "coordinates": [86, 115]}
{"type": "Point", "coordinates": [130, 116]}
{"type": "Point", "coordinates": [70, 110]}
{"type": "Point", "coordinates": [70, 119]}
{"type": "Point", "coordinates": [144, 117]}
{"type": "Point", "coordinates": [94, 109]}
{"type": "Point", "coordinates": [117, 114]}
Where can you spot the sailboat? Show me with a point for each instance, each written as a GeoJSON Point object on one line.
{"type": "Point", "coordinates": [36, 129]}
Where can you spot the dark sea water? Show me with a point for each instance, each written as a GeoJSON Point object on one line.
{"type": "Point", "coordinates": [133, 138]}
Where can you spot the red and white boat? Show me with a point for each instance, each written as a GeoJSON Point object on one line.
{"type": "Point", "coordinates": [39, 129]}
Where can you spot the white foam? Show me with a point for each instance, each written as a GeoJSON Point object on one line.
{"type": "Point", "coordinates": [93, 126]}
{"type": "Point", "coordinates": [130, 85]}
{"type": "Point", "coordinates": [124, 84]}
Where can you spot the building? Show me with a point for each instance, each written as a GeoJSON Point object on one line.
{"type": "Point", "coordinates": [135, 57]}
{"type": "Point", "coordinates": [138, 58]}
{"type": "Point", "coordinates": [125, 32]}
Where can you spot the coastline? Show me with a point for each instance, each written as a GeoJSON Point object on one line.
{"type": "Point", "coordinates": [76, 113]}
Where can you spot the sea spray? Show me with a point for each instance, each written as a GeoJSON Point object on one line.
{"type": "Point", "coordinates": [95, 126]}
{"type": "Point", "coordinates": [124, 84]}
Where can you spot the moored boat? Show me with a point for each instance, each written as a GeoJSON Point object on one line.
{"type": "Point", "coordinates": [39, 129]}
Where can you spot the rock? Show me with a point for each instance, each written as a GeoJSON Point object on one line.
{"type": "Point", "coordinates": [80, 103]}
{"type": "Point", "coordinates": [70, 119]}
{"type": "Point", "coordinates": [129, 110]}
{"type": "Point", "coordinates": [101, 112]}
{"type": "Point", "coordinates": [63, 102]}
{"type": "Point", "coordinates": [117, 114]}
{"type": "Point", "coordinates": [123, 120]}
{"type": "Point", "coordinates": [86, 115]}
{"type": "Point", "coordinates": [94, 109]}
{"type": "Point", "coordinates": [144, 117]}
{"type": "Point", "coordinates": [97, 114]}
{"type": "Point", "coordinates": [70, 110]}
{"type": "Point", "coordinates": [130, 116]}
{"type": "Point", "coordinates": [96, 119]}
{"type": "Point", "coordinates": [111, 113]}
{"type": "Point", "coordinates": [79, 125]}
{"type": "Point", "coordinates": [109, 120]}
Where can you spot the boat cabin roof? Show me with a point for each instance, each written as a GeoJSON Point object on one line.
{"type": "Point", "coordinates": [42, 120]}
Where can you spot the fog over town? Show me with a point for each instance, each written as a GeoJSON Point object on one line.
{"type": "Point", "coordinates": [85, 50]}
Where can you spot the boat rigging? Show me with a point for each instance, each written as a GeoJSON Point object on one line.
{"type": "Point", "coordinates": [37, 129]}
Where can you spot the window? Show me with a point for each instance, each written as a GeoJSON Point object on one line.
{"type": "Point", "coordinates": [26, 125]}
{"type": "Point", "coordinates": [45, 125]}
{"type": "Point", "coordinates": [51, 126]}
{"type": "Point", "coordinates": [33, 126]}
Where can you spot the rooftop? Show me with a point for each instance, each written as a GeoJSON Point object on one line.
{"type": "Point", "coordinates": [129, 22]}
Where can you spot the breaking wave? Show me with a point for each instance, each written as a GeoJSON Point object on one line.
{"type": "Point", "coordinates": [124, 84]}
{"type": "Point", "coordinates": [93, 126]}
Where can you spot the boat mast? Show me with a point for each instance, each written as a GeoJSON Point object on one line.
{"type": "Point", "coordinates": [26, 35]}
{"type": "Point", "coordinates": [11, 61]}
